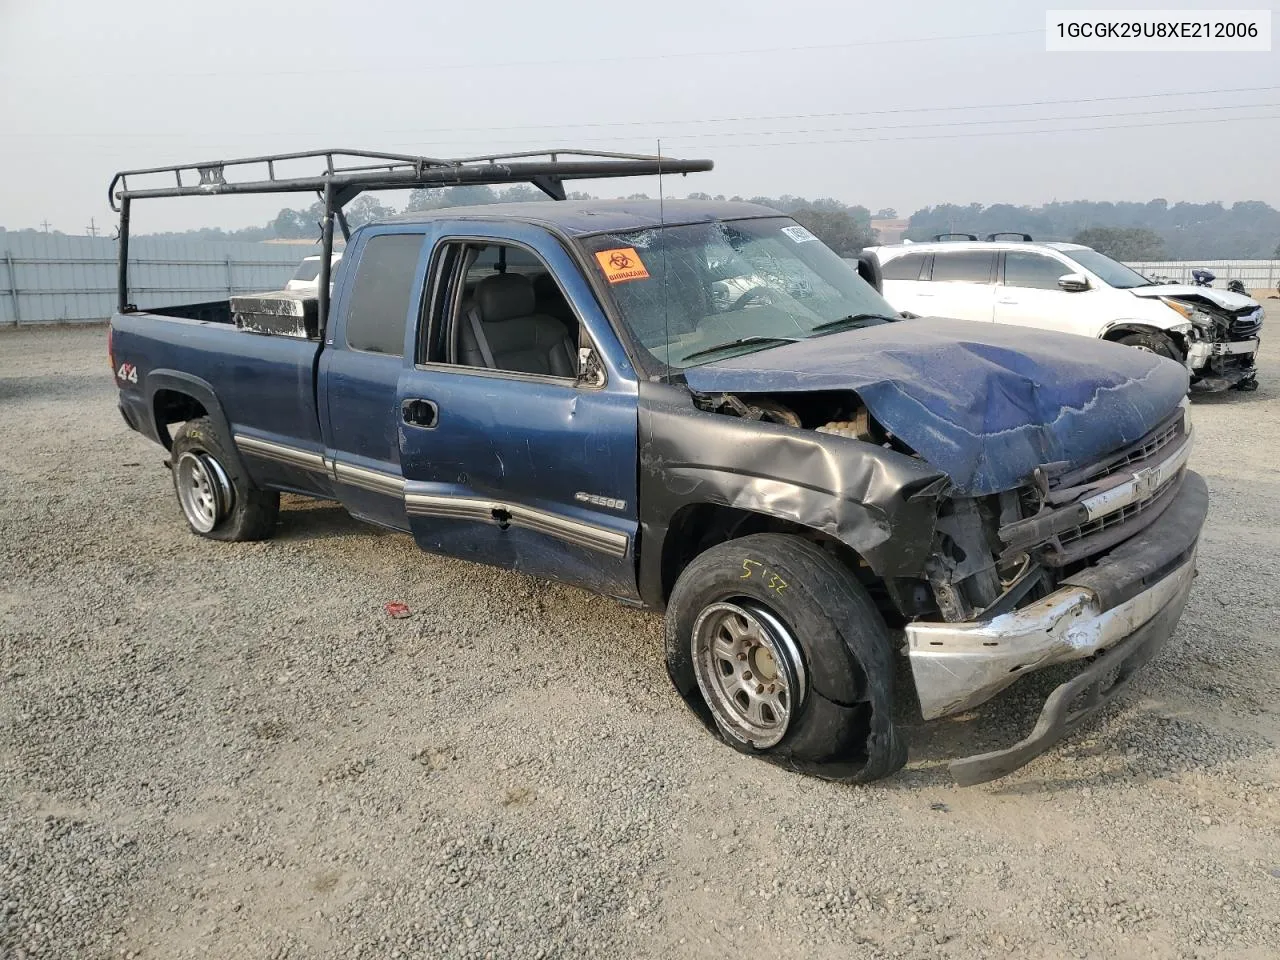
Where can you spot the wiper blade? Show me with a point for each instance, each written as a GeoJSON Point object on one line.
{"type": "Point", "coordinates": [734, 343]}
{"type": "Point", "coordinates": [852, 320]}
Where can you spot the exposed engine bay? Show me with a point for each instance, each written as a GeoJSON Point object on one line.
{"type": "Point", "coordinates": [839, 413]}
{"type": "Point", "coordinates": [1221, 343]}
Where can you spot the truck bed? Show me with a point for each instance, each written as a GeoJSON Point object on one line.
{"type": "Point", "coordinates": [263, 386]}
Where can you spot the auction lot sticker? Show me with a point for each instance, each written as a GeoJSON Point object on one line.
{"type": "Point", "coordinates": [622, 264]}
{"type": "Point", "coordinates": [1179, 31]}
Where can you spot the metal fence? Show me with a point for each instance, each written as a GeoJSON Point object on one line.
{"type": "Point", "coordinates": [48, 278]}
{"type": "Point", "coordinates": [1254, 274]}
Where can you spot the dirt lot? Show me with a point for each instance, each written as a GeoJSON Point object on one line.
{"type": "Point", "coordinates": [231, 750]}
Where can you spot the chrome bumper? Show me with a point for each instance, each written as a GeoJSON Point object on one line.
{"type": "Point", "coordinates": [959, 665]}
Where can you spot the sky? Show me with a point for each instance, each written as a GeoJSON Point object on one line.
{"type": "Point", "coordinates": [896, 105]}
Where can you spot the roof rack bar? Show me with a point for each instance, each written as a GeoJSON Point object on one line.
{"type": "Point", "coordinates": [947, 236]}
{"type": "Point", "coordinates": [213, 184]}
{"type": "Point", "coordinates": [1009, 233]}
{"type": "Point", "coordinates": [398, 171]}
{"type": "Point", "coordinates": [341, 181]}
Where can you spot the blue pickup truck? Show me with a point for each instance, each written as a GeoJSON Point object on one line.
{"type": "Point", "coordinates": [699, 408]}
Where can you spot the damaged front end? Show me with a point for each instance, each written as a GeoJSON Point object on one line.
{"type": "Point", "coordinates": [1221, 342]}
{"type": "Point", "coordinates": [1014, 500]}
{"type": "Point", "coordinates": [1091, 565]}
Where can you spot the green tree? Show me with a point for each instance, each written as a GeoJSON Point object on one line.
{"type": "Point", "coordinates": [838, 229]}
{"type": "Point", "coordinates": [365, 209]}
{"type": "Point", "coordinates": [1123, 243]}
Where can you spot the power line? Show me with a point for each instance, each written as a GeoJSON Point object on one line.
{"type": "Point", "coordinates": [347, 70]}
{"type": "Point", "coordinates": [898, 126]}
{"type": "Point", "coordinates": [1001, 133]}
{"type": "Point", "coordinates": [853, 113]}
{"type": "Point", "coordinates": [134, 135]}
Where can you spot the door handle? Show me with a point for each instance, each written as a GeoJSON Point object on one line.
{"type": "Point", "coordinates": [1007, 300]}
{"type": "Point", "coordinates": [420, 413]}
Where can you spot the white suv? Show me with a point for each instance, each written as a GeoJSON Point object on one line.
{"type": "Point", "coordinates": [307, 276]}
{"type": "Point", "coordinates": [1074, 289]}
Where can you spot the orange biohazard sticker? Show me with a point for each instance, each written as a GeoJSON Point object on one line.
{"type": "Point", "coordinates": [622, 264]}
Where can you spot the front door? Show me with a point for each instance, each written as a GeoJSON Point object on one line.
{"type": "Point", "coordinates": [1029, 295]}
{"type": "Point", "coordinates": [508, 457]}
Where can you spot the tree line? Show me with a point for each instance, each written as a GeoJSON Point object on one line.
{"type": "Point", "coordinates": [1156, 230]}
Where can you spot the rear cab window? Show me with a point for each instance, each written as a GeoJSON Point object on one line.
{"type": "Point", "coordinates": [381, 293]}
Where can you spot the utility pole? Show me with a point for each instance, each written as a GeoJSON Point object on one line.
{"type": "Point", "coordinates": [44, 225]}
{"type": "Point", "coordinates": [92, 228]}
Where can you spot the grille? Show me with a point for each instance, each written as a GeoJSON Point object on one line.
{"type": "Point", "coordinates": [1148, 446]}
{"type": "Point", "coordinates": [1064, 534]}
{"type": "Point", "coordinates": [1244, 327]}
{"type": "Point", "coordinates": [1121, 516]}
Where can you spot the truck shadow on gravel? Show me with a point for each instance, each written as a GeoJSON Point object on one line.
{"type": "Point", "coordinates": [303, 519]}
{"type": "Point", "coordinates": [1126, 743]}
{"type": "Point", "coordinates": [1228, 397]}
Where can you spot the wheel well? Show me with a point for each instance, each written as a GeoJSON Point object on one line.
{"type": "Point", "coordinates": [1124, 329]}
{"type": "Point", "coordinates": [173, 406]}
{"type": "Point", "coordinates": [697, 527]}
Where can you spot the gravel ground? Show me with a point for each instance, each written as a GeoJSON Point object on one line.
{"type": "Point", "coordinates": [231, 750]}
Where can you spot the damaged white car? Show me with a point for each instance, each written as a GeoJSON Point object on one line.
{"type": "Point", "coordinates": [1072, 288]}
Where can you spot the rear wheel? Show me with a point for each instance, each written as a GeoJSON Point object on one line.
{"type": "Point", "coordinates": [780, 650]}
{"type": "Point", "coordinates": [1156, 343]}
{"type": "Point", "coordinates": [216, 501]}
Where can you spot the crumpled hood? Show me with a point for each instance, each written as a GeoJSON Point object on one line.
{"type": "Point", "coordinates": [984, 403]}
{"type": "Point", "coordinates": [1178, 291]}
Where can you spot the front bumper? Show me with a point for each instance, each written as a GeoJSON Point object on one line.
{"type": "Point", "coordinates": [1218, 366]}
{"type": "Point", "coordinates": [1118, 611]}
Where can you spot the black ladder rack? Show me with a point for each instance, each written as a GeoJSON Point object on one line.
{"type": "Point", "coordinates": [344, 174]}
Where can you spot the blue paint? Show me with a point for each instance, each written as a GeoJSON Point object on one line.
{"type": "Point", "coordinates": [984, 403]}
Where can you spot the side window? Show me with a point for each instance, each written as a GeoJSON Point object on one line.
{"type": "Point", "coordinates": [1034, 270]}
{"type": "Point", "coordinates": [963, 266]}
{"type": "Point", "coordinates": [501, 308]}
{"type": "Point", "coordinates": [904, 268]}
{"type": "Point", "coordinates": [381, 293]}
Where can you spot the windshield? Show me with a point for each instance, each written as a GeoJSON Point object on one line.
{"type": "Point", "coordinates": [309, 269]}
{"type": "Point", "coordinates": [702, 292]}
{"type": "Point", "coordinates": [1110, 272]}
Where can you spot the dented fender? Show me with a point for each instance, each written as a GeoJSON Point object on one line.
{"type": "Point", "coordinates": [880, 503]}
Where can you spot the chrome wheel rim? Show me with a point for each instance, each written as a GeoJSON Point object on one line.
{"type": "Point", "coordinates": [749, 670]}
{"type": "Point", "coordinates": [204, 490]}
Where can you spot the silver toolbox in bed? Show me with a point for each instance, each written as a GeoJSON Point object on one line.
{"type": "Point", "coordinates": [283, 313]}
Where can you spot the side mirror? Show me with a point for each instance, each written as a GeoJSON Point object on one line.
{"type": "Point", "coordinates": [1074, 282]}
{"type": "Point", "coordinates": [869, 270]}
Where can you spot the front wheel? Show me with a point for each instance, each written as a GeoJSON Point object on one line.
{"type": "Point", "coordinates": [1156, 343]}
{"type": "Point", "coordinates": [780, 649]}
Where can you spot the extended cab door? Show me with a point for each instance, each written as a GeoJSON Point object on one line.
{"type": "Point", "coordinates": [1029, 296]}
{"type": "Point", "coordinates": [510, 458]}
{"type": "Point", "coordinates": [961, 285]}
{"type": "Point", "coordinates": [361, 366]}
